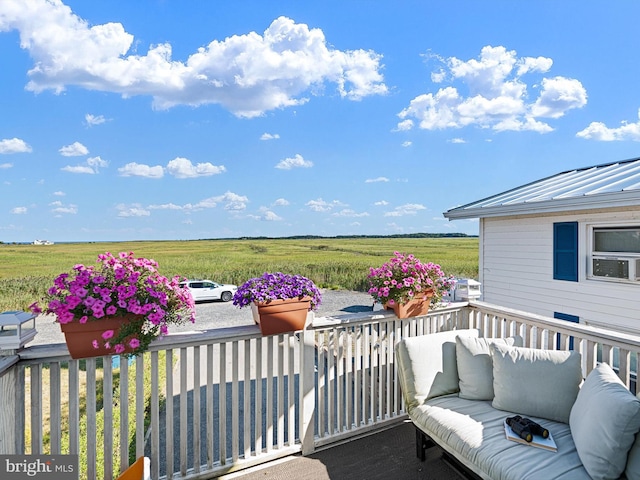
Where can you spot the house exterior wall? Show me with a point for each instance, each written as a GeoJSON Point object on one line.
{"type": "Point", "coordinates": [516, 270]}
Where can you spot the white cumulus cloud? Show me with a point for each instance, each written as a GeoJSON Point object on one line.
{"type": "Point", "coordinates": [347, 212]}
{"type": "Point", "coordinates": [6, 165]}
{"type": "Point", "coordinates": [14, 145]}
{"type": "Point", "coordinates": [60, 208]}
{"type": "Point", "coordinates": [281, 202]}
{"type": "Point", "coordinates": [92, 120]}
{"type": "Point", "coordinates": [406, 209]}
{"type": "Point", "coordinates": [231, 201]}
{"type": "Point", "coordinates": [269, 136]}
{"type": "Point", "coordinates": [183, 168]}
{"type": "Point", "coordinates": [134, 169]}
{"type": "Point", "coordinates": [599, 131]}
{"type": "Point", "coordinates": [321, 205]}
{"type": "Point", "coordinates": [76, 149]}
{"type": "Point", "coordinates": [294, 162]}
{"type": "Point", "coordinates": [19, 210]}
{"type": "Point", "coordinates": [376, 180]}
{"type": "Point", "coordinates": [495, 94]}
{"type": "Point", "coordinates": [91, 166]}
{"type": "Point", "coordinates": [266, 215]}
{"type": "Point", "coordinates": [135, 210]}
{"type": "Point", "coordinates": [248, 73]}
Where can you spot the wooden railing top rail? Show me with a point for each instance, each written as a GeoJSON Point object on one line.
{"type": "Point", "coordinates": [369, 317]}
{"type": "Point", "coordinates": [587, 332]}
{"type": "Point", "coordinates": [38, 353]}
{"type": "Point", "coordinates": [7, 362]}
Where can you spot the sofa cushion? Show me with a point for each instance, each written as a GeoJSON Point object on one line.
{"type": "Point", "coordinates": [529, 381]}
{"type": "Point", "coordinates": [427, 365]}
{"type": "Point", "coordinates": [633, 459]}
{"type": "Point", "coordinates": [473, 432]}
{"type": "Point", "coordinates": [475, 367]}
{"type": "Point", "coordinates": [604, 421]}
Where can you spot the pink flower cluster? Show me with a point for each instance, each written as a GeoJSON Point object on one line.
{"type": "Point", "coordinates": [120, 286]}
{"type": "Point", "coordinates": [404, 276]}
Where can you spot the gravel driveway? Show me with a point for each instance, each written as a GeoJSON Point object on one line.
{"type": "Point", "coordinates": [224, 314]}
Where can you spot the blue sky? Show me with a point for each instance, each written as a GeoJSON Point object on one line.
{"type": "Point", "coordinates": [169, 119]}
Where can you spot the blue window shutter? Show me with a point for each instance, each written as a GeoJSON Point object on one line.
{"type": "Point", "coordinates": [567, 318]}
{"type": "Point", "coordinates": [565, 251]}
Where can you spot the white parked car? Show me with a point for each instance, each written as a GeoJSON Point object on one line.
{"type": "Point", "coordinates": [209, 290]}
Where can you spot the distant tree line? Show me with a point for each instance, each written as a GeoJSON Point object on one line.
{"type": "Point", "coordinates": [320, 237]}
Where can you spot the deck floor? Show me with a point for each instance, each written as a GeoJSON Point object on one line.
{"type": "Point", "coordinates": [389, 454]}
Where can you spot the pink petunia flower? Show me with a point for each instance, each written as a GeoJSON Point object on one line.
{"type": "Point", "coordinates": [107, 334]}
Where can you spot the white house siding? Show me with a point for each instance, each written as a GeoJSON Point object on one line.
{"type": "Point", "coordinates": [516, 270]}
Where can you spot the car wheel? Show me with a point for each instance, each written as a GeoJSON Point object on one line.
{"type": "Point", "coordinates": [226, 296]}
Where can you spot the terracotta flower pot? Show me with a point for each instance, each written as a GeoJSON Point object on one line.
{"type": "Point", "coordinates": [280, 316]}
{"type": "Point", "coordinates": [80, 336]}
{"type": "Point", "coordinates": [416, 307]}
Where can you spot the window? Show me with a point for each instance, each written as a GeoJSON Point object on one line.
{"type": "Point", "coordinates": [565, 251]}
{"type": "Point", "coordinates": [615, 254]}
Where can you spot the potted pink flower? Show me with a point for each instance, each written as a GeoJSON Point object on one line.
{"type": "Point", "coordinates": [117, 307]}
{"type": "Point", "coordinates": [404, 280]}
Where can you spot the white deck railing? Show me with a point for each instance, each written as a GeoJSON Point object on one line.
{"type": "Point", "coordinates": [207, 403]}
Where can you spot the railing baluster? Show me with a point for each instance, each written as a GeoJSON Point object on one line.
{"type": "Point", "coordinates": [247, 399]}
{"type": "Point", "coordinates": [155, 414]}
{"type": "Point", "coordinates": [196, 410]}
{"type": "Point", "coordinates": [183, 412]}
{"type": "Point", "coordinates": [222, 399]}
{"type": "Point", "coordinates": [107, 406]}
{"type": "Point", "coordinates": [280, 399]}
{"type": "Point", "coordinates": [259, 397]}
{"type": "Point", "coordinates": [349, 338]}
{"type": "Point", "coordinates": [235, 410]}
{"type": "Point", "coordinates": [269, 393]}
{"type": "Point", "coordinates": [91, 417]}
{"type": "Point", "coordinates": [168, 419]}
{"type": "Point", "coordinates": [291, 403]}
{"type": "Point", "coordinates": [55, 414]}
{"type": "Point", "coordinates": [624, 364]}
{"type": "Point", "coordinates": [210, 403]}
{"type": "Point", "coordinates": [36, 409]}
{"type": "Point", "coordinates": [124, 413]}
{"type": "Point", "coordinates": [140, 433]}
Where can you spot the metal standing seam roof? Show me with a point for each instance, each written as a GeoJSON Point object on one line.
{"type": "Point", "coordinates": [601, 186]}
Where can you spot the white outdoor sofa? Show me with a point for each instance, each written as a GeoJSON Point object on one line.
{"type": "Point", "coordinates": [459, 388]}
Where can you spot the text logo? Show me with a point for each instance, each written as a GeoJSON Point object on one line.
{"type": "Point", "coordinates": [44, 467]}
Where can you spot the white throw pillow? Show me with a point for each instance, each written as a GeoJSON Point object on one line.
{"type": "Point", "coordinates": [475, 367]}
{"type": "Point", "coordinates": [604, 421]}
{"type": "Point", "coordinates": [530, 381]}
{"type": "Point", "coordinates": [427, 365]}
{"type": "Point", "coordinates": [633, 459]}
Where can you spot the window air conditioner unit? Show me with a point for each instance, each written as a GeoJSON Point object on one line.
{"type": "Point", "coordinates": [627, 268]}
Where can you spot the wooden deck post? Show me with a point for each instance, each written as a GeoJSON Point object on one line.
{"type": "Point", "coordinates": [8, 405]}
{"type": "Point", "coordinates": [307, 390]}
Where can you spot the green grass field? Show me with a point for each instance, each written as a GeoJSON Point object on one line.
{"type": "Point", "coordinates": [26, 271]}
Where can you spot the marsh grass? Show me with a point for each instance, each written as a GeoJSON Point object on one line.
{"type": "Point", "coordinates": [26, 271]}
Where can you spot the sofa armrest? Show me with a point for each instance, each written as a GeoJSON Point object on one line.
{"type": "Point", "coordinates": [427, 365]}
